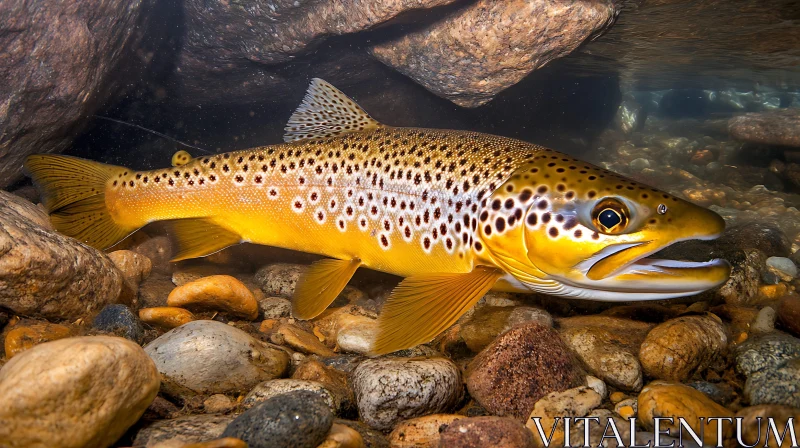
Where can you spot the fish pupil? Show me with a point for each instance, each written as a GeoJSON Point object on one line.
{"type": "Point", "coordinates": [609, 218]}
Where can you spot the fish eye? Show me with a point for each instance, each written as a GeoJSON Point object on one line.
{"type": "Point", "coordinates": [610, 216]}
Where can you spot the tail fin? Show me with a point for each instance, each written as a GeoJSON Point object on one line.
{"type": "Point", "coordinates": [73, 191]}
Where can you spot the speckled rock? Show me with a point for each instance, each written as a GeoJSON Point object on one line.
{"type": "Point", "coordinates": [575, 402]}
{"type": "Point", "coordinates": [61, 63]}
{"type": "Point", "coordinates": [721, 392]}
{"type": "Point", "coordinates": [45, 274]}
{"type": "Point", "coordinates": [606, 354]}
{"type": "Point", "coordinates": [464, 57]}
{"type": "Point", "coordinates": [789, 314]}
{"type": "Point", "coordinates": [779, 384]}
{"type": "Point", "coordinates": [268, 389]}
{"type": "Point", "coordinates": [519, 368]}
{"type": "Point", "coordinates": [183, 430]}
{"type": "Point", "coordinates": [754, 431]}
{"type": "Point", "coordinates": [295, 419]}
{"type": "Point", "coordinates": [208, 357]}
{"type": "Point", "coordinates": [119, 320]}
{"type": "Point", "coordinates": [489, 431]}
{"type": "Point", "coordinates": [775, 127]}
{"type": "Point", "coordinates": [135, 269]}
{"type": "Point", "coordinates": [274, 307]}
{"type": "Point", "coordinates": [216, 293]}
{"type": "Point", "coordinates": [23, 337]}
{"type": "Point", "coordinates": [766, 351]}
{"type": "Point", "coordinates": [681, 347]}
{"type": "Point", "coordinates": [279, 279]}
{"type": "Point", "coordinates": [38, 403]}
{"type": "Point", "coordinates": [668, 399]}
{"type": "Point", "coordinates": [165, 317]}
{"type": "Point", "coordinates": [299, 339]}
{"type": "Point", "coordinates": [388, 390]}
{"type": "Point", "coordinates": [742, 288]}
{"type": "Point", "coordinates": [421, 432]}
{"type": "Point", "coordinates": [489, 321]}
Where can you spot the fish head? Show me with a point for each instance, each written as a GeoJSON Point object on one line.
{"type": "Point", "coordinates": [581, 231]}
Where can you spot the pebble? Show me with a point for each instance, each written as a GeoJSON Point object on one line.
{"type": "Point", "coordinates": [597, 431]}
{"type": "Point", "coordinates": [617, 396]}
{"type": "Point", "coordinates": [606, 356]}
{"type": "Point", "coordinates": [274, 307]}
{"type": "Point", "coordinates": [279, 279]}
{"type": "Point", "coordinates": [575, 402]}
{"type": "Point", "coordinates": [764, 321]}
{"type": "Point", "coordinates": [39, 405]}
{"type": "Point", "coordinates": [782, 267]}
{"type": "Point", "coordinates": [342, 436]}
{"type": "Point", "coordinates": [159, 249]}
{"type": "Point", "coordinates": [681, 347]}
{"type": "Point", "coordinates": [722, 393]}
{"type": "Point", "coordinates": [165, 317]}
{"type": "Point", "coordinates": [489, 321]}
{"type": "Point", "coordinates": [218, 404]}
{"type": "Point", "coordinates": [216, 293]}
{"type": "Point", "coordinates": [208, 357]}
{"type": "Point", "coordinates": [183, 430]}
{"type": "Point", "coordinates": [372, 438]}
{"type": "Point", "coordinates": [489, 431]}
{"type": "Point", "coordinates": [789, 314]}
{"type": "Point", "coordinates": [358, 335]}
{"type": "Point", "coordinates": [742, 288]}
{"type": "Point", "coordinates": [597, 385]}
{"type": "Point", "coordinates": [421, 432]}
{"type": "Point", "coordinates": [627, 408]}
{"type": "Point", "coordinates": [754, 431]}
{"type": "Point", "coordinates": [268, 389]}
{"type": "Point", "coordinates": [226, 442]}
{"type": "Point", "coordinates": [135, 269]}
{"type": "Point", "coordinates": [22, 338]}
{"type": "Point", "coordinates": [670, 399]}
{"type": "Point", "coordinates": [296, 419]}
{"type": "Point", "coordinates": [639, 164]}
{"type": "Point", "coordinates": [779, 384]}
{"type": "Point", "coordinates": [391, 389]}
{"type": "Point", "coordinates": [119, 320]}
{"type": "Point", "coordinates": [301, 340]}
{"type": "Point", "coordinates": [766, 351]}
{"type": "Point", "coordinates": [519, 368]}
{"type": "Point", "coordinates": [333, 380]}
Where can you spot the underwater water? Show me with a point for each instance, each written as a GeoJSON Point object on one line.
{"type": "Point", "coordinates": [590, 208]}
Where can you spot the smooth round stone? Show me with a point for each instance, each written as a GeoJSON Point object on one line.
{"type": "Point", "coordinates": [754, 430]}
{"type": "Point", "coordinates": [597, 385]}
{"type": "Point", "coordinates": [279, 279]}
{"type": "Point", "coordinates": [639, 164]}
{"type": "Point", "coordinates": [783, 267]}
{"type": "Point", "coordinates": [678, 348]}
{"type": "Point", "coordinates": [300, 340]}
{"type": "Point", "coordinates": [490, 431]}
{"type": "Point", "coordinates": [606, 356]}
{"type": "Point", "coordinates": [421, 431]}
{"type": "Point", "coordinates": [342, 436]}
{"type": "Point", "coordinates": [333, 380]}
{"type": "Point", "coordinates": [208, 357]}
{"type": "Point", "coordinates": [135, 269]}
{"type": "Point", "coordinates": [268, 389]}
{"type": "Point", "coordinates": [489, 321]}
{"type": "Point", "coordinates": [165, 317]}
{"type": "Point", "coordinates": [225, 442]}
{"type": "Point", "coordinates": [388, 390]}
{"type": "Point", "coordinates": [216, 293]}
{"type": "Point", "coordinates": [358, 335]}
{"type": "Point", "coordinates": [183, 430]}
{"type": "Point", "coordinates": [218, 403]}
{"type": "Point", "coordinates": [274, 307]}
{"type": "Point", "coordinates": [75, 392]}
{"type": "Point", "coordinates": [21, 338]}
{"type": "Point", "coordinates": [789, 314]}
{"type": "Point", "coordinates": [520, 367]}
{"type": "Point", "coordinates": [119, 320]}
{"type": "Point", "coordinates": [296, 419]}
{"type": "Point", "coordinates": [764, 321]}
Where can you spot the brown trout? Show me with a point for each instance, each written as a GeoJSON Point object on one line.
{"type": "Point", "coordinates": [456, 213]}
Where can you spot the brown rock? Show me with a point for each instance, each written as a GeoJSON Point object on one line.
{"type": "Point", "coordinates": [156, 248]}
{"type": "Point", "coordinates": [520, 367]}
{"type": "Point", "coordinates": [789, 314]}
{"type": "Point", "coordinates": [45, 274]}
{"type": "Point", "coordinates": [183, 430]}
{"type": "Point", "coordinates": [479, 50]}
{"type": "Point", "coordinates": [22, 338]}
{"type": "Point", "coordinates": [332, 379]}
{"type": "Point", "coordinates": [342, 436]}
{"type": "Point", "coordinates": [666, 399]}
{"type": "Point", "coordinates": [225, 442]}
{"type": "Point", "coordinates": [298, 339]}
{"type": "Point", "coordinates": [754, 432]}
{"type": "Point", "coordinates": [775, 127]}
{"type": "Point", "coordinates": [218, 404]}
{"type": "Point", "coordinates": [576, 402]}
{"type": "Point", "coordinates": [489, 321]}
{"type": "Point", "coordinates": [135, 269]}
{"type": "Point", "coordinates": [681, 347]}
{"type": "Point", "coordinates": [165, 317]}
{"type": "Point", "coordinates": [75, 392]}
{"type": "Point", "coordinates": [478, 432]}
{"type": "Point", "coordinates": [217, 293]}
{"type": "Point", "coordinates": [421, 432]}
{"type": "Point", "coordinates": [59, 63]}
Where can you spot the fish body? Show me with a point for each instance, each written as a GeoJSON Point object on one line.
{"type": "Point", "coordinates": [455, 212]}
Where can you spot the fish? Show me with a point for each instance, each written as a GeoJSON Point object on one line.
{"type": "Point", "coordinates": [455, 213]}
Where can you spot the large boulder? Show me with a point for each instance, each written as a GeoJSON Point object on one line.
{"type": "Point", "coordinates": [59, 62]}
{"type": "Point", "coordinates": [777, 127]}
{"type": "Point", "coordinates": [45, 274]}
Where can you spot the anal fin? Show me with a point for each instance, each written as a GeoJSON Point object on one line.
{"type": "Point", "coordinates": [198, 237]}
{"type": "Point", "coordinates": [320, 285]}
{"type": "Point", "coordinates": [422, 306]}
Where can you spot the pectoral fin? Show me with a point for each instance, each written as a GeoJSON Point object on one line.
{"type": "Point", "coordinates": [320, 285]}
{"type": "Point", "coordinates": [198, 237]}
{"type": "Point", "coordinates": [423, 306]}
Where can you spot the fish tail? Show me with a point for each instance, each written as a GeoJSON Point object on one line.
{"type": "Point", "coordinates": [73, 191]}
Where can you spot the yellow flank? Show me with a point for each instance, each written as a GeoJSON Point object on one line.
{"type": "Point", "coordinates": [455, 212]}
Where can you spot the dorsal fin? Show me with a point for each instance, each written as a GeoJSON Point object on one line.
{"type": "Point", "coordinates": [326, 112]}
